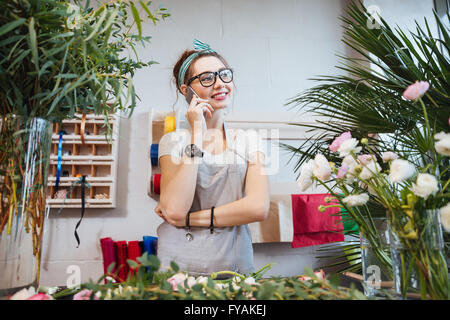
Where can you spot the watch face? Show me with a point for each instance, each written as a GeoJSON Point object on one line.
{"type": "Point", "coordinates": [192, 150]}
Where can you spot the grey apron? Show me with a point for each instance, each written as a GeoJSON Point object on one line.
{"type": "Point", "coordinates": [220, 180]}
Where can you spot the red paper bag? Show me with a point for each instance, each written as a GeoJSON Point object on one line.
{"type": "Point", "coordinates": [312, 227]}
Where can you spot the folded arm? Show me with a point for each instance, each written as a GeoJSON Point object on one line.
{"type": "Point", "coordinates": [253, 207]}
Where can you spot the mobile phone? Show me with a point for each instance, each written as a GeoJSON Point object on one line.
{"type": "Point", "coordinates": [190, 93]}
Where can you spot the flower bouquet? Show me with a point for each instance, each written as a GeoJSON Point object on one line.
{"type": "Point", "coordinates": [411, 188]}
{"type": "Point", "coordinates": [148, 282]}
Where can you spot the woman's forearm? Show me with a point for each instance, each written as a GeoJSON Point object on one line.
{"type": "Point", "coordinates": [239, 212]}
{"type": "Point", "coordinates": [177, 196]}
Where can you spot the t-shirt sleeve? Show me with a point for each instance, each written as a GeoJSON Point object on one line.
{"type": "Point", "coordinates": [172, 143]}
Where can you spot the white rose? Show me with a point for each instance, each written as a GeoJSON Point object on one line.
{"type": "Point", "coordinates": [445, 217]}
{"type": "Point", "coordinates": [356, 200]}
{"type": "Point", "coordinates": [401, 170]}
{"type": "Point", "coordinates": [202, 280]}
{"type": "Point", "coordinates": [389, 156]}
{"type": "Point", "coordinates": [348, 146]}
{"type": "Point", "coordinates": [425, 185]}
{"type": "Point", "coordinates": [191, 281]}
{"type": "Point", "coordinates": [352, 166]}
{"type": "Point", "coordinates": [250, 281]}
{"type": "Point", "coordinates": [305, 178]}
{"type": "Point", "coordinates": [369, 170]}
{"type": "Point", "coordinates": [221, 286]}
{"type": "Point", "coordinates": [322, 169]}
{"type": "Point", "coordinates": [442, 146]}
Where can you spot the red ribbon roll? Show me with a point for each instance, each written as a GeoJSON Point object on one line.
{"type": "Point", "coordinates": [156, 183]}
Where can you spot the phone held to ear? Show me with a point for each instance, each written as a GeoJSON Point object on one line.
{"type": "Point", "coordinates": [189, 94]}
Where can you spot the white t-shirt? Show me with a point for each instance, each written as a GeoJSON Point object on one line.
{"type": "Point", "coordinates": [242, 143]}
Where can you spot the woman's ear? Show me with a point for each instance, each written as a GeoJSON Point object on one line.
{"type": "Point", "coordinates": [183, 89]}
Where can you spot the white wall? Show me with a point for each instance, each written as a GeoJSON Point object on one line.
{"type": "Point", "coordinates": [274, 47]}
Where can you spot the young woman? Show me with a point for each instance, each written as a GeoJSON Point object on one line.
{"type": "Point", "coordinates": [213, 180]}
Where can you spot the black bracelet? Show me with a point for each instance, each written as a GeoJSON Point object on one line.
{"type": "Point", "coordinates": [189, 235]}
{"type": "Point", "coordinates": [211, 226]}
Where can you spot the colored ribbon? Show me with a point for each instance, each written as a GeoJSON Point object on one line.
{"type": "Point", "coordinates": [169, 124]}
{"type": "Point", "coordinates": [156, 183]}
{"type": "Point", "coordinates": [58, 166]}
{"type": "Point", "coordinates": [154, 154]}
{"type": "Point", "coordinates": [83, 185]}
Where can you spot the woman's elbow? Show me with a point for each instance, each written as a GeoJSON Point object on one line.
{"type": "Point", "coordinates": [174, 214]}
{"type": "Point", "coordinates": [262, 210]}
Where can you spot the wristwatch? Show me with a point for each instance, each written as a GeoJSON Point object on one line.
{"type": "Point", "coordinates": [192, 150]}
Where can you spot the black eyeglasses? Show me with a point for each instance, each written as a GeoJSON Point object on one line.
{"type": "Point", "coordinates": [208, 78]}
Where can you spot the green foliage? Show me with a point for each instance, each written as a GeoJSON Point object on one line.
{"type": "Point", "coordinates": [238, 287]}
{"type": "Point", "coordinates": [58, 58]}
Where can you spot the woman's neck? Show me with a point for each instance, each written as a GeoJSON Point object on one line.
{"type": "Point", "coordinates": [217, 120]}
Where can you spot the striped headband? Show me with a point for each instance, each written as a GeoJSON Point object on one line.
{"type": "Point", "coordinates": [201, 47]}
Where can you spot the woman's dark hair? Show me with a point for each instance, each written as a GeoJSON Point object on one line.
{"type": "Point", "coordinates": [184, 56]}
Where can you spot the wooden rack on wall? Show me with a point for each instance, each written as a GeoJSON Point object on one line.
{"type": "Point", "coordinates": [91, 155]}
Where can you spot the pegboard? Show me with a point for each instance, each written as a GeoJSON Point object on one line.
{"type": "Point", "coordinates": [91, 154]}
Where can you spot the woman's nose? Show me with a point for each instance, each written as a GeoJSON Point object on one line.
{"type": "Point", "coordinates": [219, 83]}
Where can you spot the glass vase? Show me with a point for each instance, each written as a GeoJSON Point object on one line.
{"type": "Point", "coordinates": [24, 159]}
{"type": "Point", "coordinates": [377, 274]}
{"type": "Point", "coordinates": [419, 263]}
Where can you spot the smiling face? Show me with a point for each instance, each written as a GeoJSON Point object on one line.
{"type": "Point", "coordinates": [220, 93]}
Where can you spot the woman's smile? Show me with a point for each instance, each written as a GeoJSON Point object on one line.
{"type": "Point", "coordinates": [220, 96]}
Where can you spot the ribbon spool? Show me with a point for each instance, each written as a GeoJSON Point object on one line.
{"type": "Point", "coordinates": [154, 154]}
{"type": "Point", "coordinates": [156, 183]}
{"type": "Point", "coordinates": [169, 124]}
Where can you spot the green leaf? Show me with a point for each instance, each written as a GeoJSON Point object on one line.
{"type": "Point", "coordinates": [335, 280]}
{"type": "Point", "coordinates": [174, 266]}
{"type": "Point", "coordinates": [137, 19]}
{"type": "Point", "coordinates": [150, 15]}
{"type": "Point", "coordinates": [111, 267]}
{"type": "Point", "coordinates": [97, 25]}
{"type": "Point", "coordinates": [44, 68]}
{"type": "Point", "coordinates": [11, 25]}
{"type": "Point", "coordinates": [133, 264]}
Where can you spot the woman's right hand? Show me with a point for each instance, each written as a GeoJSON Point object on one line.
{"type": "Point", "coordinates": [194, 114]}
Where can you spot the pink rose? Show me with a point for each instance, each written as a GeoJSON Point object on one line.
{"type": "Point", "coordinates": [342, 171]}
{"type": "Point", "coordinates": [320, 274]}
{"type": "Point", "coordinates": [84, 294]}
{"type": "Point", "coordinates": [416, 90]}
{"type": "Point", "coordinates": [338, 141]}
{"type": "Point", "coordinates": [177, 279]}
{"type": "Point", "coordinates": [364, 159]}
{"type": "Point", "coordinates": [40, 296]}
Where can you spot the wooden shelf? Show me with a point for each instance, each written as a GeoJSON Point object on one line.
{"type": "Point", "coordinates": [96, 158]}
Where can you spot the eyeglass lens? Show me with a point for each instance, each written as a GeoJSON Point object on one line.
{"type": "Point", "coordinates": [209, 78]}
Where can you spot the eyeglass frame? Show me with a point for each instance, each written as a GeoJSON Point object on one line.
{"type": "Point", "coordinates": [216, 73]}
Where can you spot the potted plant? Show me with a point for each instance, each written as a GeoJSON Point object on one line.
{"type": "Point", "coordinates": [57, 58]}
